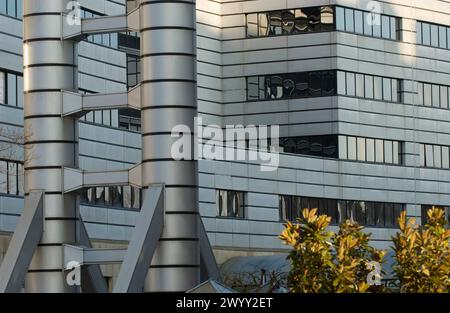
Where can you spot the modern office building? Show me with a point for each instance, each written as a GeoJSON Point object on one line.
{"type": "Point", "coordinates": [362, 101]}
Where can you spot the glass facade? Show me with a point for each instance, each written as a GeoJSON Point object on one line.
{"type": "Point", "coordinates": [433, 95]}
{"type": "Point", "coordinates": [369, 86]}
{"type": "Point", "coordinates": [11, 8]}
{"type": "Point", "coordinates": [436, 156]}
{"type": "Point", "coordinates": [230, 203]}
{"type": "Point", "coordinates": [11, 177]}
{"type": "Point", "coordinates": [370, 150]}
{"type": "Point", "coordinates": [322, 146]}
{"type": "Point", "coordinates": [291, 85]}
{"type": "Point", "coordinates": [11, 89]}
{"type": "Point", "coordinates": [288, 22]}
{"type": "Point", "coordinates": [365, 213]}
{"type": "Point", "coordinates": [321, 19]}
{"type": "Point", "coordinates": [433, 35]}
{"type": "Point", "coordinates": [127, 197]}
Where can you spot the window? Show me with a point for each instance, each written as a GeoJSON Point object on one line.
{"type": "Point", "coordinates": [322, 146]}
{"type": "Point", "coordinates": [433, 95]}
{"type": "Point", "coordinates": [2, 87]}
{"type": "Point", "coordinates": [351, 148]}
{"type": "Point", "coordinates": [385, 27]}
{"type": "Point", "coordinates": [127, 197]}
{"type": "Point", "coordinates": [434, 156]}
{"type": "Point", "coordinates": [377, 88]}
{"type": "Point", "coordinates": [359, 22]}
{"type": "Point", "coordinates": [340, 19]}
{"type": "Point", "coordinates": [368, 86]}
{"type": "Point", "coordinates": [370, 150]}
{"type": "Point", "coordinates": [365, 213]}
{"type": "Point", "coordinates": [350, 82]}
{"type": "Point", "coordinates": [291, 85]}
{"type": "Point", "coordinates": [11, 177]}
{"type": "Point", "coordinates": [252, 25]}
{"type": "Point", "coordinates": [230, 203]}
{"type": "Point", "coordinates": [349, 21]}
{"type": "Point", "coordinates": [433, 35]}
{"type": "Point", "coordinates": [11, 89]}
{"type": "Point", "coordinates": [133, 70]}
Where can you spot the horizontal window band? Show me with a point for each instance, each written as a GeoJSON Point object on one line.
{"type": "Point", "coordinates": [148, 55]}
{"type": "Point", "coordinates": [181, 213]}
{"type": "Point", "coordinates": [47, 193]}
{"type": "Point", "coordinates": [60, 270]}
{"type": "Point", "coordinates": [179, 239]}
{"type": "Point", "coordinates": [167, 28]}
{"type": "Point", "coordinates": [31, 168]}
{"type": "Point", "coordinates": [154, 107]}
{"type": "Point", "coordinates": [41, 13]}
{"type": "Point", "coordinates": [29, 117]}
{"type": "Point", "coordinates": [168, 1]}
{"type": "Point", "coordinates": [162, 133]}
{"type": "Point", "coordinates": [50, 64]}
{"type": "Point", "coordinates": [166, 160]}
{"type": "Point", "coordinates": [49, 244]}
{"type": "Point", "coordinates": [176, 266]}
{"type": "Point", "coordinates": [42, 39]}
{"type": "Point", "coordinates": [49, 141]}
{"type": "Point", "coordinates": [169, 80]}
{"type": "Point", "coordinates": [61, 219]}
{"type": "Point", "coordinates": [176, 186]}
{"type": "Point", "coordinates": [42, 90]}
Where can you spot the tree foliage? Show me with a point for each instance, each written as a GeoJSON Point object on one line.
{"type": "Point", "coordinates": [323, 261]}
{"type": "Point", "coordinates": [423, 254]}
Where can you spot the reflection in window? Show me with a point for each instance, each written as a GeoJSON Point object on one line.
{"type": "Point", "coordinates": [365, 213]}
{"type": "Point", "coordinates": [291, 21]}
{"type": "Point", "coordinates": [116, 196]}
{"type": "Point", "coordinates": [11, 177]}
{"type": "Point", "coordinates": [425, 208]}
{"type": "Point", "coordinates": [291, 85]}
{"type": "Point", "coordinates": [322, 146]}
{"type": "Point", "coordinates": [434, 156]}
{"type": "Point", "coordinates": [433, 95]}
{"type": "Point", "coordinates": [370, 150]}
{"type": "Point", "coordinates": [368, 86]}
{"type": "Point", "coordinates": [230, 203]}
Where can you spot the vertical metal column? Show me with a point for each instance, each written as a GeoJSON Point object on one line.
{"type": "Point", "coordinates": [168, 67]}
{"type": "Point", "coordinates": [51, 140]}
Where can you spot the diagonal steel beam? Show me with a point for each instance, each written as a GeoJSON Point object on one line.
{"type": "Point", "coordinates": [143, 242]}
{"type": "Point", "coordinates": [208, 264]}
{"type": "Point", "coordinates": [23, 244]}
{"type": "Point", "coordinates": [92, 279]}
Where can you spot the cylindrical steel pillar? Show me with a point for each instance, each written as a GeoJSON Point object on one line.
{"type": "Point", "coordinates": [169, 99]}
{"type": "Point", "coordinates": [51, 140]}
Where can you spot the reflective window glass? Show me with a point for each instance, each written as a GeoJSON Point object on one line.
{"type": "Point", "coordinates": [349, 20]}
{"type": "Point", "coordinates": [434, 36]}
{"type": "Point", "coordinates": [444, 97]}
{"type": "Point", "coordinates": [421, 154]}
{"type": "Point", "coordinates": [377, 26]}
{"type": "Point", "coordinates": [11, 7]}
{"type": "Point", "coordinates": [341, 83]}
{"type": "Point", "coordinates": [252, 25]}
{"type": "Point", "coordinates": [378, 88]}
{"type": "Point", "coordinates": [343, 147]}
{"type": "Point", "coordinates": [395, 152]}
{"type": "Point", "coordinates": [351, 148]}
{"type": "Point", "coordinates": [379, 214]}
{"type": "Point", "coordinates": [315, 84]}
{"type": "Point", "coordinates": [385, 27]}
{"type": "Point", "coordinates": [419, 32]}
{"type": "Point", "coordinates": [379, 151]}
{"type": "Point", "coordinates": [368, 86]}
{"type": "Point", "coordinates": [360, 85]}
{"type": "Point", "coordinates": [387, 89]}
{"type": "Point", "coordinates": [3, 7]}
{"type": "Point", "coordinates": [327, 18]}
{"type": "Point", "coordinates": [442, 37]}
{"type": "Point", "coordinates": [19, 8]}
{"type": "Point", "coordinates": [429, 159]}
{"type": "Point", "coordinates": [395, 90]}
{"type": "Point", "coordinates": [389, 215]}
{"type": "Point", "coordinates": [263, 27]}
{"type": "Point", "coordinates": [420, 93]}
{"type": "Point", "coordinates": [393, 28]}
{"type": "Point", "coordinates": [340, 19]}
{"type": "Point", "coordinates": [427, 99]}
{"type": "Point", "coordinates": [253, 88]}
{"type": "Point", "coordinates": [3, 177]}
{"type": "Point", "coordinates": [367, 24]}
{"type": "Point", "coordinates": [426, 36]}
{"type": "Point", "coordinates": [359, 23]}
{"type": "Point", "coordinates": [350, 81]}
{"type": "Point", "coordinates": [2, 87]}
{"type": "Point", "coordinates": [388, 151]}
{"type": "Point", "coordinates": [435, 95]}
{"type": "Point", "coordinates": [445, 157]}
{"type": "Point", "coordinates": [361, 143]}
{"type": "Point", "coordinates": [12, 90]}
{"type": "Point", "coordinates": [437, 156]}
{"type": "Point", "coordinates": [370, 150]}
{"type": "Point", "coordinates": [20, 91]}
